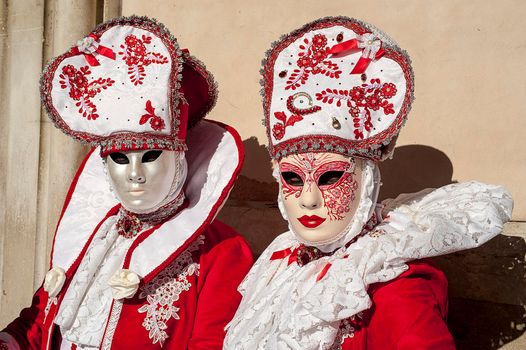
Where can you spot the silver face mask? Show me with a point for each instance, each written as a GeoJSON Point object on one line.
{"type": "Point", "coordinates": [142, 180]}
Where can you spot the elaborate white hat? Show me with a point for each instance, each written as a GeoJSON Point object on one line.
{"type": "Point", "coordinates": [127, 85]}
{"type": "Point", "coordinates": [336, 85]}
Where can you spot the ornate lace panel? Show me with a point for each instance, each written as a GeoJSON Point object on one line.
{"type": "Point", "coordinates": [164, 291]}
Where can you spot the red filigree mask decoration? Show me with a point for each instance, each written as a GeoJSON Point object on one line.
{"type": "Point", "coordinates": [319, 192]}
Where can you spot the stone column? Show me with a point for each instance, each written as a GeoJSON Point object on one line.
{"type": "Point", "coordinates": [37, 160]}
{"type": "Point", "coordinates": [21, 62]}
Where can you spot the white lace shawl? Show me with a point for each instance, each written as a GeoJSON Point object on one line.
{"type": "Point", "coordinates": [284, 307]}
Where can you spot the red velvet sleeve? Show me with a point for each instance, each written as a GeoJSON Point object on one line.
{"type": "Point", "coordinates": [222, 270]}
{"type": "Point", "coordinates": [27, 328]}
{"type": "Point", "coordinates": [410, 312]}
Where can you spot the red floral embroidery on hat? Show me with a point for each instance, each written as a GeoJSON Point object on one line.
{"type": "Point", "coordinates": [137, 57]}
{"type": "Point", "coordinates": [82, 90]}
{"type": "Point", "coordinates": [313, 60]}
{"type": "Point", "coordinates": [361, 100]}
{"type": "Point", "coordinates": [156, 122]}
{"type": "Point", "coordinates": [278, 130]}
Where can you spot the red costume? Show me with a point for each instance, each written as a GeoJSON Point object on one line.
{"type": "Point", "coordinates": [123, 278]}
{"type": "Point", "coordinates": [203, 310]}
{"type": "Point", "coordinates": [408, 312]}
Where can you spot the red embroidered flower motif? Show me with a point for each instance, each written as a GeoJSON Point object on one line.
{"type": "Point", "coordinates": [319, 41]}
{"type": "Point", "coordinates": [388, 90]}
{"type": "Point", "coordinates": [82, 90]}
{"type": "Point", "coordinates": [278, 130]}
{"type": "Point", "coordinates": [373, 102]}
{"type": "Point", "coordinates": [156, 122]}
{"type": "Point", "coordinates": [361, 100]}
{"type": "Point", "coordinates": [136, 56]}
{"type": "Point", "coordinates": [312, 60]}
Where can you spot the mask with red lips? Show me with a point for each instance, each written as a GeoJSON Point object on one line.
{"type": "Point", "coordinates": [320, 193]}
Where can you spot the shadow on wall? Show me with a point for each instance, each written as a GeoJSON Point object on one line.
{"type": "Point", "coordinates": [414, 168]}
{"type": "Point", "coordinates": [487, 289]}
{"type": "Point", "coordinates": [487, 285]}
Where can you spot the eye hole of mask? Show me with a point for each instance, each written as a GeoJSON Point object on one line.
{"type": "Point", "coordinates": [150, 156]}
{"type": "Point", "coordinates": [291, 178]}
{"type": "Point", "coordinates": [119, 158]}
{"type": "Point", "coordinates": [330, 178]}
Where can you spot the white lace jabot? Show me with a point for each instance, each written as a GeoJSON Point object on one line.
{"type": "Point", "coordinates": [86, 306]}
{"type": "Point", "coordinates": [291, 307]}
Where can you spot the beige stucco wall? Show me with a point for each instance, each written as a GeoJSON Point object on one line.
{"type": "Point", "coordinates": [468, 60]}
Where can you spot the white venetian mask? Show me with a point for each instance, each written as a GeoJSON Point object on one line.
{"type": "Point", "coordinates": [320, 193]}
{"type": "Point", "coordinates": [142, 180]}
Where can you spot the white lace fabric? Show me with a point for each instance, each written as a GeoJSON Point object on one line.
{"type": "Point", "coordinates": [86, 305]}
{"type": "Point", "coordinates": [285, 307]}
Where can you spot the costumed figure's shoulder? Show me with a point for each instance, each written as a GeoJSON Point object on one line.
{"type": "Point", "coordinates": [261, 266]}
{"type": "Point", "coordinates": [428, 279]}
{"type": "Point", "coordinates": [224, 239]}
{"type": "Point", "coordinates": [218, 231]}
{"type": "Point", "coordinates": [412, 307]}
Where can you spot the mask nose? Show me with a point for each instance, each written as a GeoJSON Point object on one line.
{"type": "Point", "coordinates": [136, 174]}
{"type": "Point", "coordinates": [134, 177]}
{"type": "Point", "coordinates": [311, 197]}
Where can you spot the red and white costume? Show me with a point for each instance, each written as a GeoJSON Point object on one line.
{"type": "Point", "coordinates": [338, 85]}
{"type": "Point", "coordinates": [128, 86]}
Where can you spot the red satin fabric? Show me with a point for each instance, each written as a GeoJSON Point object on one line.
{"type": "Point", "coordinates": [281, 254]}
{"type": "Point", "coordinates": [346, 46]}
{"type": "Point", "coordinates": [101, 50]}
{"type": "Point", "coordinates": [350, 46]}
{"type": "Point", "coordinates": [408, 313]}
{"type": "Point", "coordinates": [323, 271]}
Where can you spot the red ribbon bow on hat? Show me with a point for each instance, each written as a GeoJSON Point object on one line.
{"type": "Point", "coordinates": [88, 46]}
{"type": "Point", "coordinates": [371, 48]}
